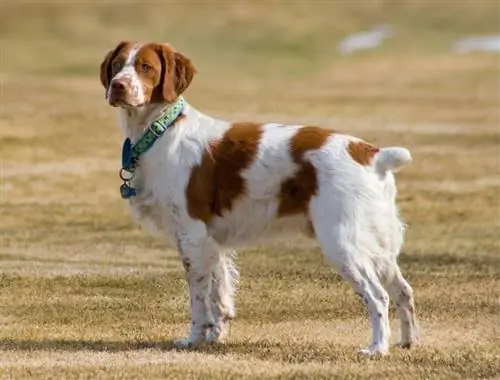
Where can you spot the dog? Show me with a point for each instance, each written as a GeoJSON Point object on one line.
{"type": "Point", "coordinates": [212, 185]}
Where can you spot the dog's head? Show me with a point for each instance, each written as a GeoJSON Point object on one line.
{"type": "Point", "coordinates": [135, 75]}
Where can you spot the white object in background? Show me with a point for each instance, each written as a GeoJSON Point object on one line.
{"type": "Point", "coordinates": [477, 43]}
{"type": "Point", "coordinates": [370, 39]}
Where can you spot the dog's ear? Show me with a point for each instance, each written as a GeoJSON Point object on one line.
{"type": "Point", "coordinates": [177, 72]}
{"type": "Point", "coordinates": [184, 72]}
{"type": "Point", "coordinates": [106, 64]}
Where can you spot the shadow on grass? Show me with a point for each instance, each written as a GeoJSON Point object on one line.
{"type": "Point", "coordinates": [82, 345]}
{"type": "Point", "coordinates": [263, 349]}
{"type": "Point", "coordinates": [474, 261]}
{"type": "Point", "coordinates": [126, 345]}
{"type": "Point", "coordinates": [73, 345]}
{"type": "Point", "coordinates": [463, 363]}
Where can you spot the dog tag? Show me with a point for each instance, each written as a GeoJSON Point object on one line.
{"type": "Point", "coordinates": [126, 191]}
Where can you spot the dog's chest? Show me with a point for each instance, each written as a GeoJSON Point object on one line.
{"type": "Point", "coordinates": [150, 211]}
{"type": "Point", "coordinates": [158, 192]}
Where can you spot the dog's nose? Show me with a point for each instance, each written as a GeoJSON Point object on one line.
{"type": "Point", "coordinates": [118, 86]}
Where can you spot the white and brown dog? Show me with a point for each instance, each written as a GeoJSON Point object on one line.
{"type": "Point", "coordinates": [210, 184]}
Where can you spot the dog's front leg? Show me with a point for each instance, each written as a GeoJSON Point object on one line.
{"type": "Point", "coordinates": [224, 279]}
{"type": "Point", "coordinates": [198, 258]}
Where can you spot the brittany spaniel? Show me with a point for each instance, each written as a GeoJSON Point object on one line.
{"type": "Point", "coordinates": [211, 185]}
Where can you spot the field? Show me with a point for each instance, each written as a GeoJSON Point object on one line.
{"type": "Point", "coordinates": [86, 293]}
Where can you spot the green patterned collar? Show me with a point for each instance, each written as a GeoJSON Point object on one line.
{"type": "Point", "coordinates": [132, 153]}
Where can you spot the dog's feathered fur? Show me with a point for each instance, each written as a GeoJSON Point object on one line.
{"type": "Point", "coordinates": [211, 184]}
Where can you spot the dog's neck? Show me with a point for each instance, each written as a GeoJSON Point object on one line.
{"type": "Point", "coordinates": [134, 121]}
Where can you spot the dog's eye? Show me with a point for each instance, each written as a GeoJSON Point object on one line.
{"type": "Point", "coordinates": [146, 68]}
{"type": "Point", "coordinates": [117, 65]}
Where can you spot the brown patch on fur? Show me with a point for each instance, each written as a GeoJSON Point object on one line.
{"type": "Point", "coordinates": [216, 182]}
{"type": "Point", "coordinates": [297, 191]}
{"type": "Point", "coordinates": [200, 191]}
{"type": "Point", "coordinates": [173, 71]}
{"type": "Point", "coordinates": [113, 61]}
{"type": "Point", "coordinates": [150, 68]}
{"type": "Point", "coordinates": [362, 152]}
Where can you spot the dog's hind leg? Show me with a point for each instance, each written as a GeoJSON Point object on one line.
{"type": "Point", "coordinates": [340, 239]}
{"type": "Point", "coordinates": [368, 286]}
{"type": "Point", "coordinates": [402, 293]}
{"type": "Point", "coordinates": [360, 272]}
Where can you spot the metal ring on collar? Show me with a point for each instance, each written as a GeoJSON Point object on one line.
{"type": "Point", "coordinates": [126, 177]}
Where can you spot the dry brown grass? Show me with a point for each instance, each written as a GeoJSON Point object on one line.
{"type": "Point", "coordinates": [87, 294]}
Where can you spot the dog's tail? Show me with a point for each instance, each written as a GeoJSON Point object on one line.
{"type": "Point", "coordinates": [391, 159]}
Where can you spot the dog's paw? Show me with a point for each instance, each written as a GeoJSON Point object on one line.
{"type": "Point", "coordinates": [187, 343]}
{"type": "Point", "coordinates": [182, 344]}
{"type": "Point", "coordinates": [375, 350]}
{"type": "Point", "coordinates": [408, 344]}
{"type": "Point", "coordinates": [410, 341]}
{"type": "Point", "coordinates": [218, 334]}
{"type": "Point", "coordinates": [214, 335]}
{"type": "Point", "coordinates": [404, 345]}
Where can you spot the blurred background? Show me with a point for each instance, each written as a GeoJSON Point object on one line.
{"type": "Point", "coordinates": [78, 274]}
{"type": "Point", "coordinates": [267, 56]}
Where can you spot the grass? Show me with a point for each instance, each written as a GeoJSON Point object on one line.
{"type": "Point", "coordinates": [86, 293]}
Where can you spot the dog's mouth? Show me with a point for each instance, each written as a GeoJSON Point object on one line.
{"type": "Point", "coordinates": [116, 103]}
{"type": "Point", "coordinates": [120, 102]}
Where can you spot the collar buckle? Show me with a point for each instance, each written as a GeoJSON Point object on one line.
{"type": "Point", "coordinates": [150, 128]}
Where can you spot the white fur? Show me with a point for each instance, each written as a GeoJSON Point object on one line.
{"type": "Point", "coordinates": [391, 159]}
{"type": "Point", "coordinates": [354, 216]}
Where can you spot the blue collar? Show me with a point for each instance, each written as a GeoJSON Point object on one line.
{"type": "Point", "coordinates": [132, 153]}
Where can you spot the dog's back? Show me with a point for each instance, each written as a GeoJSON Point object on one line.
{"type": "Point", "coordinates": [294, 174]}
